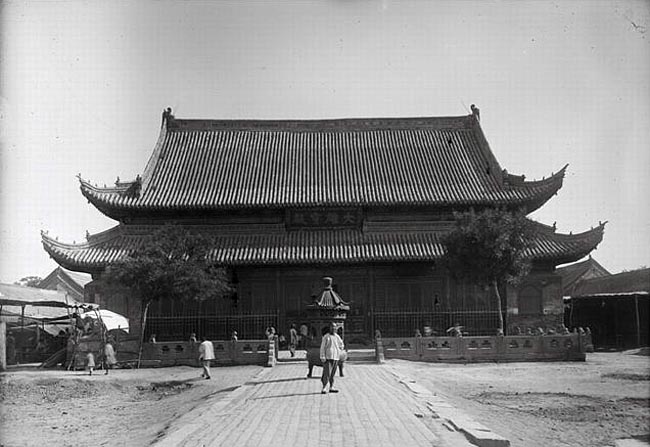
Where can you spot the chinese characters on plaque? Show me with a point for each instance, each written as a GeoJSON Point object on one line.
{"type": "Point", "coordinates": [324, 218]}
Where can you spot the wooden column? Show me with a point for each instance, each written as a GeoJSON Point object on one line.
{"type": "Point", "coordinates": [22, 333]}
{"type": "Point", "coordinates": [638, 323]}
{"type": "Point", "coordinates": [281, 303]}
{"type": "Point", "coordinates": [370, 317]}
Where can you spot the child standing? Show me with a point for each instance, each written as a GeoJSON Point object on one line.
{"type": "Point", "coordinates": [90, 363]}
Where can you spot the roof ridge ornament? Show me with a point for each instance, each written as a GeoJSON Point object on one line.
{"type": "Point", "coordinates": [476, 112]}
{"type": "Point", "coordinates": [167, 117]}
{"type": "Point", "coordinates": [134, 189]}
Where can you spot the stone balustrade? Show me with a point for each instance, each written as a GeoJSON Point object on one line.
{"type": "Point", "coordinates": [512, 348]}
{"type": "Point", "coordinates": [241, 352]}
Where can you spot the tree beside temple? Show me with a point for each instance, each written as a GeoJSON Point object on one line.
{"type": "Point", "coordinates": [29, 281]}
{"type": "Point", "coordinates": [172, 263]}
{"type": "Point", "coordinates": [488, 247]}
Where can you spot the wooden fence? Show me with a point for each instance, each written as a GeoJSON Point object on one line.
{"type": "Point", "coordinates": [403, 323]}
{"type": "Point", "coordinates": [215, 327]}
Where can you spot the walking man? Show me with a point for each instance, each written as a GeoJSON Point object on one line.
{"type": "Point", "coordinates": [330, 351]}
{"type": "Point", "coordinates": [293, 340]}
{"type": "Point", "coordinates": [206, 355]}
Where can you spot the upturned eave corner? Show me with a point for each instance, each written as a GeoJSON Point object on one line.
{"type": "Point", "coordinates": [51, 247]}
{"type": "Point", "coordinates": [539, 192]}
{"type": "Point", "coordinates": [50, 241]}
{"type": "Point", "coordinates": [573, 247]}
{"type": "Point", "coordinates": [112, 201]}
{"type": "Point", "coordinates": [519, 180]}
{"type": "Point", "coordinates": [591, 238]}
{"type": "Point", "coordinates": [64, 254]}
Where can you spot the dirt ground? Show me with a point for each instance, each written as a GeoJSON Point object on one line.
{"type": "Point", "coordinates": [125, 408]}
{"type": "Point", "coordinates": [532, 404]}
{"type": "Point", "coordinates": [549, 404]}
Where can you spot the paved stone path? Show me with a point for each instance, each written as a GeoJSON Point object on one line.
{"type": "Point", "coordinates": [281, 407]}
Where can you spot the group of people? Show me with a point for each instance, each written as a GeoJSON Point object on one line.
{"type": "Point", "coordinates": [331, 352]}
{"type": "Point", "coordinates": [108, 359]}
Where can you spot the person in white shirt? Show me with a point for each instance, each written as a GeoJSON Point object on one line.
{"type": "Point", "coordinates": [206, 355]}
{"type": "Point", "coordinates": [293, 340]}
{"type": "Point", "coordinates": [109, 357]}
{"type": "Point", "coordinates": [330, 352]}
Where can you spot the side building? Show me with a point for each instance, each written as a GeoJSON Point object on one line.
{"type": "Point", "coordinates": [573, 275]}
{"type": "Point", "coordinates": [615, 307]}
{"type": "Point", "coordinates": [71, 283]}
{"type": "Point", "coordinates": [364, 201]}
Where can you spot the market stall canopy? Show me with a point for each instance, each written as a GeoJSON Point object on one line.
{"type": "Point", "coordinates": [33, 303]}
{"type": "Point", "coordinates": [110, 319]}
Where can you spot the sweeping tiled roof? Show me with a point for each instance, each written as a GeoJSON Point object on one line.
{"type": "Point", "coordinates": [272, 244]}
{"type": "Point", "coordinates": [224, 165]}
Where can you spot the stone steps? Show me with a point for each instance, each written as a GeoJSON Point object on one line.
{"type": "Point", "coordinates": [361, 356]}
{"type": "Point", "coordinates": [354, 355]}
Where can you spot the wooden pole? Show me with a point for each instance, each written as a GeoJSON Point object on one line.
{"type": "Point", "coordinates": [142, 329]}
{"type": "Point", "coordinates": [495, 287]}
{"type": "Point", "coordinates": [67, 308]}
{"type": "Point", "coordinates": [22, 332]}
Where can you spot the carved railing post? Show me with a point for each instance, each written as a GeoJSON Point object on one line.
{"type": "Point", "coordinates": [271, 351]}
{"type": "Point", "coordinates": [589, 344]}
{"type": "Point", "coordinates": [233, 352]}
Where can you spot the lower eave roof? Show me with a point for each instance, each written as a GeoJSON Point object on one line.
{"type": "Point", "coordinates": [639, 294]}
{"type": "Point", "coordinates": [268, 245]}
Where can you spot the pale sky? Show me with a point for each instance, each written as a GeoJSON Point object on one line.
{"type": "Point", "coordinates": [83, 85]}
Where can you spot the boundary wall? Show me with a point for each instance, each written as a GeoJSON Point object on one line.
{"type": "Point", "coordinates": [176, 353]}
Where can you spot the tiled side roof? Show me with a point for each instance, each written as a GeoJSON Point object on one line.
{"type": "Point", "coordinates": [626, 282]}
{"type": "Point", "coordinates": [74, 279]}
{"type": "Point", "coordinates": [79, 278]}
{"type": "Point", "coordinates": [574, 273]}
{"type": "Point", "coordinates": [272, 245]}
{"type": "Point", "coordinates": [217, 165]}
